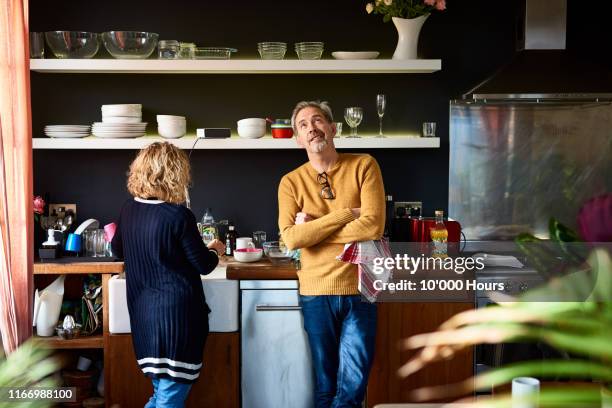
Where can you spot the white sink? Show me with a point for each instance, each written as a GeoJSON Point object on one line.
{"type": "Point", "coordinates": [221, 296]}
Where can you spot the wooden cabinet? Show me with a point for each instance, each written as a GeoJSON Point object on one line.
{"type": "Point", "coordinates": [218, 385]}
{"type": "Point", "coordinates": [397, 321]}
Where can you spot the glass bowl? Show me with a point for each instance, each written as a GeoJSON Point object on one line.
{"type": "Point", "coordinates": [278, 253]}
{"type": "Point", "coordinates": [130, 44]}
{"type": "Point", "coordinates": [213, 52]}
{"type": "Point", "coordinates": [73, 44]}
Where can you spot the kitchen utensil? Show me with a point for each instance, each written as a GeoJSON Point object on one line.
{"type": "Point", "coordinates": [90, 223]}
{"type": "Point", "coordinates": [244, 242]}
{"type": "Point", "coordinates": [524, 389]}
{"type": "Point", "coordinates": [338, 128]}
{"type": "Point", "coordinates": [186, 50]}
{"type": "Point", "coordinates": [248, 254]}
{"type": "Point", "coordinates": [47, 305]}
{"type": "Point", "coordinates": [123, 109]}
{"type": "Point", "coordinates": [73, 44]}
{"type": "Point", "coordinates": [353, 55]}
{"type": "Point", "coordinates": [381, 105]}
{"type": "Point", "coordinates": [167, 49]}
{"type": "Point", "coordinates": [429, 129]}
{"type": "Point", "coordinates": [353, 117]}
{"type": "Point", "coordinates": [252, 128]}
{"type": "Point", "coordinates": [259, 237]}
{"type": "Point", "coordinates": [73, 243]}
{"type": "Point", "coordinates": [130, 44]}
{"type": "Point", "coordinates": [37, 45]}
{"type": "Point", "coordinates": [213, 52]}
{"type": "Point", "coordinates": [309, 50]}
{"type": "Point", "coordinates": [171, 127]}
{"type": "Point", "coordinates": [278, 253]}
{"type": "Point", "coordinates": [272, 50]}
{"type": "Point", "coordinates": [282, 129]}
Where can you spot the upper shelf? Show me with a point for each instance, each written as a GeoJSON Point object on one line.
{"type": "Point", "coordinates": [236, 66]}
{"type": "Point", "coordinates": [392, 142]}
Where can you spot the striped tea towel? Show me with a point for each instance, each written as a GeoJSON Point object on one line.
{"type": "Point", "coordinates": [363, 254]}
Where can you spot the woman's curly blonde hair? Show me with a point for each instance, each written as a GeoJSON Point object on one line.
{"type": "Point", "coordinates": [160, 170]}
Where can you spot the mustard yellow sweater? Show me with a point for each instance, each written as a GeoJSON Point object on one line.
{"type": "Point", "coordinates": [356, 182]}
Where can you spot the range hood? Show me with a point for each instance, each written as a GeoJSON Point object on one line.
{"type": "Point", "coordinates": [542, 69]}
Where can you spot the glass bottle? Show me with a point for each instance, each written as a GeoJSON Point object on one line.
{"type": "Point", "coordinates": [439, 236]}
{"type": "Point", "coordinates": [230, 240]}
{"type": "Point", "coordinates": [209, 228]}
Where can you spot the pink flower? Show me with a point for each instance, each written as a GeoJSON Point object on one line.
{"type": "Point", "coordinates": [39, 205]}
{"type": "Point", "coordinates": [595, 219]}
{"type": "Point", "coordinates": [440, 4]}
{"type": "Point", "coordinates": [430, 2]}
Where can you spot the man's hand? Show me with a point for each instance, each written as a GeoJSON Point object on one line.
{"type": "Point", "coordinates": [302, 217]}
{"type": "Point", "coordinates": [356, 212]}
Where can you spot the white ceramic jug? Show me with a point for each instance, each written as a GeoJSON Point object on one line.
{"type": "Point", "coordinates": [47, 306]}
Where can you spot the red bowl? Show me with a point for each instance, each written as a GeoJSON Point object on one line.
{"type": "Point", "coordinates": [282, 133]}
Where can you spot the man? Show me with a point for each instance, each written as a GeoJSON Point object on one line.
{"type": "Point", "coordinates": [332, 200]}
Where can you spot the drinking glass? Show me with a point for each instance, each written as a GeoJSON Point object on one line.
{"type": "Point", "coordinates": [37, 45]}
{"type": "Point", "coordinates": [338, 128]}
{"type": "Point", "coordinates": [429, 129]}
{"type": "Point", "coordinates": [99, 243]}
{"type": "Point", "coordinates": [381, 104]}
{"type": "Point", "coordinates": [259, 237]}
{"type": "Point", "coordinates": [353, 117]}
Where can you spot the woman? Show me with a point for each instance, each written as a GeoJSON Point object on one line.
{"type": "Point", "coordinates": [164, 257]}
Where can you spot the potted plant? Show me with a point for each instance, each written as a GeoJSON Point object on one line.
{"type": "Point", "coordinates": [408, 17]}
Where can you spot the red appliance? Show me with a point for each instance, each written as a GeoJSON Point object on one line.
{"type": "Point", "coordinates": [419, 229]}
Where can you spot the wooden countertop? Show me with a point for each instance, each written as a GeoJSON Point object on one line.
{"type": "Point", "coordinates": [76, 266]}
{"type": "Point", "coordinates": [263, 270]}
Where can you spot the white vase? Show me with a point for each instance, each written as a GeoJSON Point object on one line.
{"type": "Point", "coordinates": [408, 30]}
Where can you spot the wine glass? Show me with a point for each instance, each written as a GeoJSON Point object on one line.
{"type": "Point", "coordinates": [353, 117]}
{"type": "Point", "coordinates": [381, 104]}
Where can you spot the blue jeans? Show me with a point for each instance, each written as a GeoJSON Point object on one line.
{"type": "Point", "coordinates": [168, 394]}
{"type": "Point", "coordinates": [341, 333]}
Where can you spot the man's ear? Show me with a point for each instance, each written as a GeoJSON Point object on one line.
{"type": "Point", "coordinates": [334, 130]}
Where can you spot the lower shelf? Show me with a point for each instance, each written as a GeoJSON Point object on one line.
{"type": "Point", "coordinates": [85, 342]}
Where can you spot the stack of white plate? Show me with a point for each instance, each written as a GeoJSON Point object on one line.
{"type": "Point", "coordinates": [122, 113]}
{"type": "Point", "coordinates": [118, 130]}
{"type": "Point", "coordinates": [120, 121]}
{"type": "Point", "coordinates": [68, 131]}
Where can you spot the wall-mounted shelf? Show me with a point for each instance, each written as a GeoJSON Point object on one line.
{"type": "Point", "coordinates": [84, 342]}
{"type": "Point", "coordinates": [236, 66]}
{"type": "Point", "coordinates": [392, 142]}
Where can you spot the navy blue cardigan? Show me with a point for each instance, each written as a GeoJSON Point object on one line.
{"type": "Point", "coordinates": [164, 257]}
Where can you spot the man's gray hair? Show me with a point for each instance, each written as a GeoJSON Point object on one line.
{"type": "Point", "coordinates": [322, 106]}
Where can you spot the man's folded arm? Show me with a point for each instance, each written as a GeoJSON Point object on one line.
{"type": "Point", "coordinates": [309, 233]}
{"type": "Point", "coordinates": [371, 223]}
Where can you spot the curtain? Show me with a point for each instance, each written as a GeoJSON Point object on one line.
{"type": "Point", "coordinates": [16, 213]}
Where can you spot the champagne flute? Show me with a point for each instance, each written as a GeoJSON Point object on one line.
{"type": "Point", "coordinates": [353, 117]}
{"type": "Point", "coordinates": [381, 104]}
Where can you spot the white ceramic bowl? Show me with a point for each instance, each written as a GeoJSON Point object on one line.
{"type": "Point", "coordinates": [173, 131]}
{"type": "Point", "coordinates": [121, 119]}
{"type": "Point", "coordinates": [251, 132]}
{"type": "Point", "coordinates": [252, 122]}
{"type": "Point", "coordinates": [248, 254]}
{"type": "Point", "coordinates": [169, 118]}
{"type": "Point", "coordinates": [126, 109]}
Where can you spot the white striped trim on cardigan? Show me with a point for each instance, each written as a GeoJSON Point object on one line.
{"type": "Point", "coordinates": [168, 361]}
{"type": "Point", "coordinates": [170, 372]}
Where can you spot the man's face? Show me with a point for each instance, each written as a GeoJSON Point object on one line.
{"type": "Point", "coordinates": [314, 132]}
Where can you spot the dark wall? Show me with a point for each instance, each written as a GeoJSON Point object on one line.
{"type": "Point", "coordinates": [472, 38]}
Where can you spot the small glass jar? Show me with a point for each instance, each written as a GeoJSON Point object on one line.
{"type": "Point", "coordinates": [168, 49]}
{"type": "Point", "coordinates": [187, 50]}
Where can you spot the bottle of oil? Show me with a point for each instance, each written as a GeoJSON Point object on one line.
{"type": "Point", "coordinates": [230, 240]}
{"type": "Point", "coordinates": [439, 236]}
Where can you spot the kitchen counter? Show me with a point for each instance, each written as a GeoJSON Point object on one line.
{"type": "Point", "coordinates": [260, 270]}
